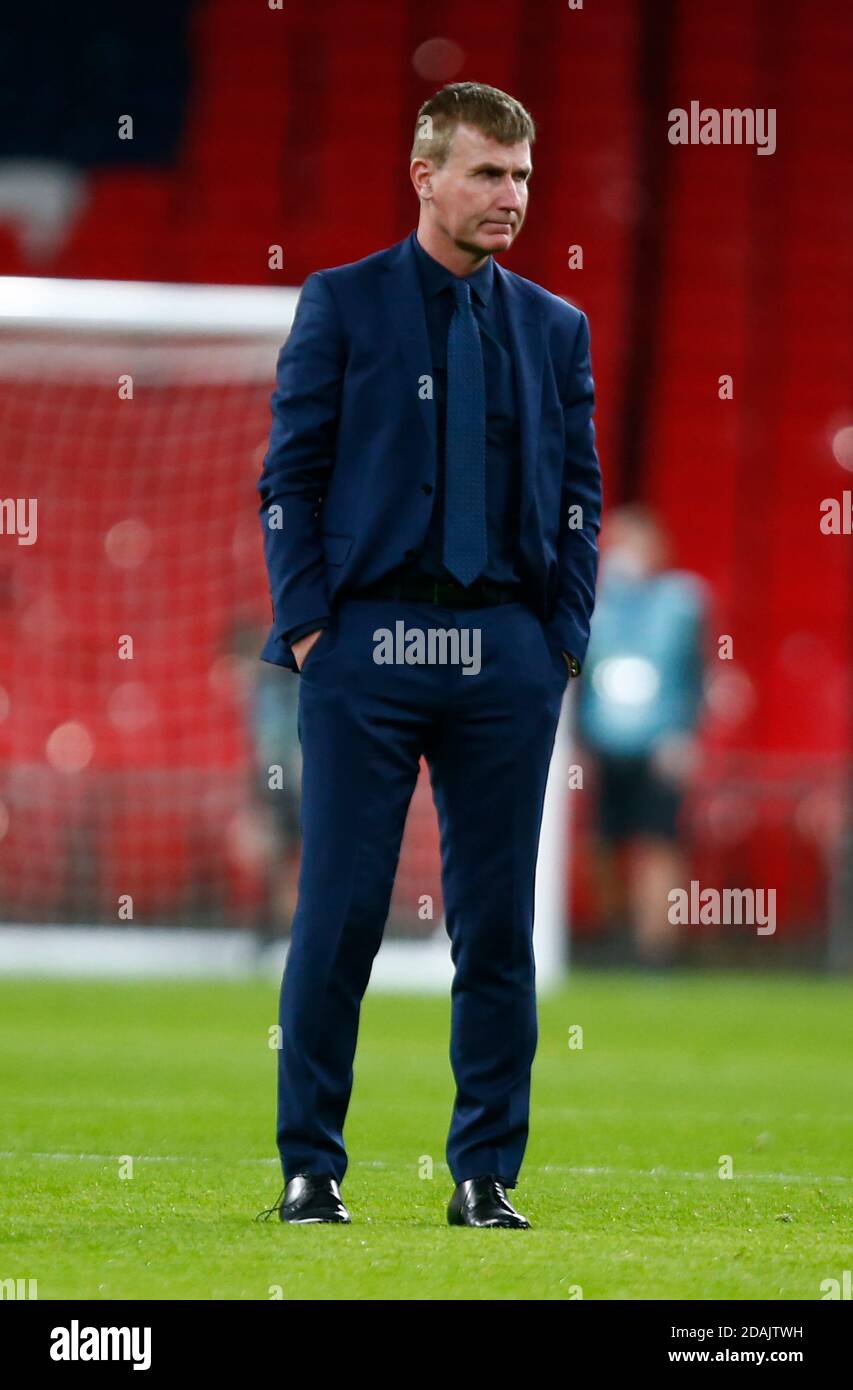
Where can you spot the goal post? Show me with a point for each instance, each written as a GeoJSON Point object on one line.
{"type": "Point", "coordinates": [136, 719]}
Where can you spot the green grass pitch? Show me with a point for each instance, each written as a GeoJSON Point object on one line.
{"type": "Point", "coordinates": [620, 1181]}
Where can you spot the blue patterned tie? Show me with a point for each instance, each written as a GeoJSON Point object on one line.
{"type": "Point", "coordinates": [465, 550]}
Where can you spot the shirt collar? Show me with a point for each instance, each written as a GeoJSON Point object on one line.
{"type": "Point", "coordinates": [435, 277]}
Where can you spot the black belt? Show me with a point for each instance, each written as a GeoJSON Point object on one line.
{"type": "Point", "coordinates": [445, 592]}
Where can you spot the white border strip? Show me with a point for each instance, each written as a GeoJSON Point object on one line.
{"type": "Point", "coordinates": [143, 306]}
{"type": "Point", "coordinates": [180, 952]}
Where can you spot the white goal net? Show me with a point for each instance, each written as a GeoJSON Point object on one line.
{"type": "Point", "coordinates": [137, 725]}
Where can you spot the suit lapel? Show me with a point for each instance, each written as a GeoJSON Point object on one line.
{"type": "Point", "coordinates": [524, 326]}
{"type": "Point", "coordinates": [406, 321]}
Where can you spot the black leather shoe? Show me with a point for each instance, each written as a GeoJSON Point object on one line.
{"type": "Point", "coordinates": [483, 1202]}
{"type": "Point", "coordinates": [309, 1199]}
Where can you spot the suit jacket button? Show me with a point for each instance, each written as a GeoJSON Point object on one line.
{"type": "Point", "coordinates": [427, 488]}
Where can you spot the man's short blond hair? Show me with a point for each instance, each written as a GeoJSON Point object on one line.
{"type": "Point", "coordinates": [490, 110]}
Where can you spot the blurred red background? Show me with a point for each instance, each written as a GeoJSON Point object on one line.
{"type": "Point", "coordinates": [697, 261]}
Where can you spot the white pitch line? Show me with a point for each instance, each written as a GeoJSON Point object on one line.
{"type": "Point", "coordinates": [753, 1118]}
{"type": "Point", "coordinates": [658, 1173]}
{"type": "Point", "coordinates": [663, 1173]}
{"type": "Point", "coordinates": [137, 1158]}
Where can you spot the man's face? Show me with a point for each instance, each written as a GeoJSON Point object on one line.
{"type": "Point", "coordinates": [631, 550]}
{"type": "Point", "coordinates": [479, 197]}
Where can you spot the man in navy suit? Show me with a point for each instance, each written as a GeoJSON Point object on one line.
{"type": "Point", "coordinates": [430, 503]}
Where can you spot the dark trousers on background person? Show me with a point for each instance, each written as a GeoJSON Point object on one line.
{"type": "Point", "coordinates": [487, 739]}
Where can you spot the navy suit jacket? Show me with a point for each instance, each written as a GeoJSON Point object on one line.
{"type": "Point", "coordinates": [353, 443]}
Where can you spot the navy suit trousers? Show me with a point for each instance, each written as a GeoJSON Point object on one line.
{"type": "Point", "coordinates": [487, 739]}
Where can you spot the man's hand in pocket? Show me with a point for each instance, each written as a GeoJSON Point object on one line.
{"type": "Point", "coordinates": [304, 645]}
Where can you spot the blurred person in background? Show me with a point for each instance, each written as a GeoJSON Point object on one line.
{"type": "Point", "coordinates": [638, 711]}
{"type": "Point", "coordinates": [276, 744]}
{"type": "Point", "coordinates": [271, 724]}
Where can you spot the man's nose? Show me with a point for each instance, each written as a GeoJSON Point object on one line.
{"type": "Point", "coordinates": [510, 197]}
